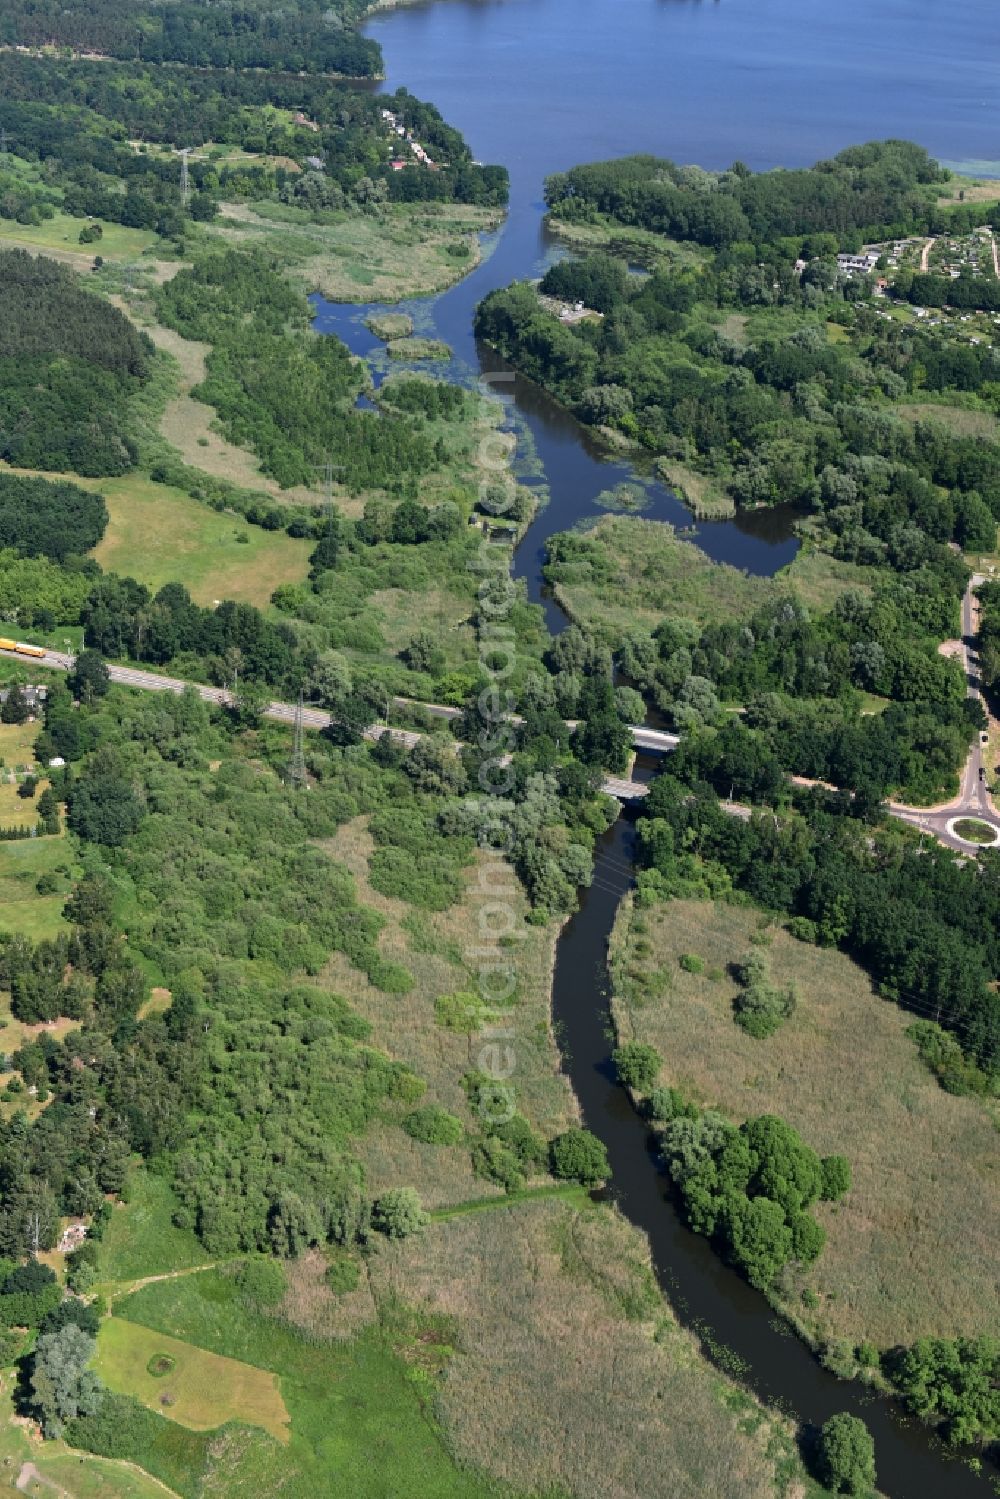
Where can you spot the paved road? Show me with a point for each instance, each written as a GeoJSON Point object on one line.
{"type": "Point", "coordinates": [316, 718]}
{"type": "Point", "coordinates": [973, 799]}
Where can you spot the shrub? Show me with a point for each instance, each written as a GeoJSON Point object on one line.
{"type": "Point", "coordinates": [836, 1171]}
{"type": "Point", "coordinates": [262, 1281]}
{"type": "Point", "coordinates": [691, 963]}
{"type": "Point", "coordinates": [637, 1065]}
{"type": "Point", "coordinates": [398, 1213]}
{"type": "Point", "coordinates": [759, 1008]}
{"type": "Point", "coordinates": [845, 1458]}
{"type": "Point", "coordinates": [578, 1155]}
{"type": "Point", "coordinates": [434, 1126]}
{"type": "Point", "coordinates": [496, 1162]}
{"type": "Point", "coordinates": [664, 1104]}
{"type": "Point", "coordinates": [342, 1274]}
{"type": "Point", "coordinates": [463, 1012]}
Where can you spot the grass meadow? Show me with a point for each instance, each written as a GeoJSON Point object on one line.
{"type": "Point", "coordinates": [22, 909]}
{"type": "Point", "coordinates": [141, 1240]}
{"type": "Point", "coordinates": [911, 1249]}
{"type": "Point", "coordinates": [159, 535]}
{"type": "Point", "coordinates": [649, 571]}
{"type": "Point", "coordinates": [433, 946]}
{"type": "Point", "coordinates": [572, 1376]}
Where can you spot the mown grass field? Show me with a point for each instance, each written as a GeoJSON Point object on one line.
{"type": "Point", "coordinates": [159, 535]}
{"type": "Point", "coordinates": [435, 948]}
{"type": "Point", "coordinates": [911, 1250]}
{"type": "Point", "coordinates": [203, 1390]}
{"type": "Point", "coordinates": [406, 250]}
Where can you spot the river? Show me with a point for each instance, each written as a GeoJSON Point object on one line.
{"type": "Point", "coordinates": [541, 85]}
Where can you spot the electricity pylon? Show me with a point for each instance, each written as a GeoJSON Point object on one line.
{"type": "Point", "coordinates": [297, 764]}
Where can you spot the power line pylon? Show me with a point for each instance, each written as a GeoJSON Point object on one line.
{"type": "Point", "coordinates": [297, 764]}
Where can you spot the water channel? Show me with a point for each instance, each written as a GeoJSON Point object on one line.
{"type": "Point", "coordinates": [540, 85]}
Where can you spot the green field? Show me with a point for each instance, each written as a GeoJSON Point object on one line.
{"type": "Point", "coordinates": [22, 864]}
{"type": "Point", "coordinates": [202, 1390]}
{"type": "Point", "coordinates": [62, 233]}
{"type": "Point", "coordinates": [158, 535]}
{"type": "Point", "coordinates": [359, 1423]}
{"type": "Point", "coordinates": [141, 1240]}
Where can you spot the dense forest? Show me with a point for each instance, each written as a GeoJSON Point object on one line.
{"type": "Point", "coordinates": [776, 382]}
{"type": "Point", "coordinates": [304, 37]}
{"type": "Point", "coordinates": [69, 364]}
{"type": "Point", "coordinates": [878, 191]}
{"type": "Point", "coordinates": [801, 678]}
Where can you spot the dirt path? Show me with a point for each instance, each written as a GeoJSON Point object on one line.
{"type": "Point", "coordinates": [29, 1474]}
{"type": "Point", "coordinates": [126, 1287]}
{"type": "Point", "coordinates": [996, 255]}
{"type": "Point", "coordinates": [925, 254]}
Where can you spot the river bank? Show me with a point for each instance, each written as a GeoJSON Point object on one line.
{"type": "Point", "coordinates": [735, 1324]}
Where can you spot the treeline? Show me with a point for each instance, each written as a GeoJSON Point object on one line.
{"type": "Point", "coordinates": [980, 293]}
{"type": "Point", "coordinates": [924, 927]}
{"type": "Point", "coordinates": [877, 191]}
{"type": "Point", "coordinates": [69, 364]}
{"type": "Point", "coordinates": [298, 38]}
{"type": "Point", "coordinates": [989, 636]}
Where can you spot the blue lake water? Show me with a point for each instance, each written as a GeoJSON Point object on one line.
{"type": "Point", "coordinates": [541, 85]}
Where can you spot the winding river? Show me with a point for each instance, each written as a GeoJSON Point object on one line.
{"type": "Point", "coordinates": [541, 85]}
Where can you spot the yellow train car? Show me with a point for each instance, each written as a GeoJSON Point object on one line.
{"type": "Point", "coordinates": [21, 647]}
